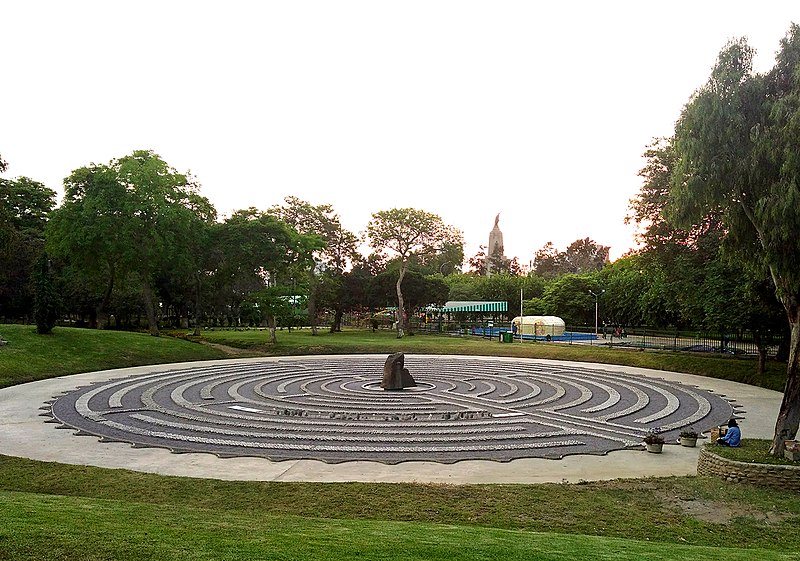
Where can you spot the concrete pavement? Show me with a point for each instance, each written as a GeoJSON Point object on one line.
{"type": "Point", "coordinates": [24, 433]}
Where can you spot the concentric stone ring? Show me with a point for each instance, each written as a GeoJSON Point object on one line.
{"type": "Point", "coordinates": [332, 409]}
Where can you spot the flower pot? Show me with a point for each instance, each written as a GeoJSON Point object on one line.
{"type": "Point", "coordinates": [655, 448]}
{"type": "Point", "coordinates": [792, 451]}
{"type": "Point", "coordinates": [688, 441]}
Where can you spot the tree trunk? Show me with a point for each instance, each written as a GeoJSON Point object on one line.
{"type": "Point", "coordinates": [183, 317]}
{"type": "Point", "coordinates": [789, 413]}
{"type": "Point", "coordinates": [312, 301]}
{"type": "Point", "coordinates": [198, 304]}
{"type": "Point", "coordinates": [400, 306]}
{"type": "Point", "coordinates": [762, 361]}
{"type": "Point", "coordinates": [149, 308]}
{"type": "Point", "coordinates": [761, 349]}
{"type": "Point", "coordinates": [101, 312]}
{"type": "Point", "coordinates": [271, 320]}
{"type": "Point", "coordinates": [337, 321]}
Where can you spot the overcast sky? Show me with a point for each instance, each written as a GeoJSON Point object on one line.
{"type": "Point", "coordinates": [537, 111]}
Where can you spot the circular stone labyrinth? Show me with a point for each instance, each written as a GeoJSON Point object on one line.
{"type": "Point", "coordinates": [333, 409]}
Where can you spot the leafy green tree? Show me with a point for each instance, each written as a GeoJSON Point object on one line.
{"type": "Point", "coordinates": [502, 287]}
{"type": "Point", "coordinates": [690, 279]}
{"type": "Point", "coordinates": [446, 261]}
{"type": "Point", "coordinates": [87, 232]}
{"type": "Point", "coordinates": [45, 297]}
{"type": "Point", "coordinates": [25, 206]}
{"type": "Point", "coordinates": [419, 291]}
{"type": "Point", "coordinates": [581, 256]}
{"type": "Point", "coordinates": [736, 150]}
{"type": "Point", "coordinates": [409, 233]}
{"type": "Point", "coordinates": [585, 256]}
{"type": "Point", "coordinates": [567, 297]}
{"type": "Point", "coordinates": [335, 252]}
{"type": "Point", "coordinates": [354, 288]}
{"type": "Point", "coordinates": [257, 256]}
{"type": "Point", "coordinates": [131, 219]}
{"type": "Point", "coordinates": [462, 287]}
{"type": "Point", "coordinates": [625, 283]}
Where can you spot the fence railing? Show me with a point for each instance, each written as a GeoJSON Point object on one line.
{"type": "Point", "coordinates": [743, 343]}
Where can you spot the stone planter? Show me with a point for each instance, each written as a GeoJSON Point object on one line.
{"type": "Point", "coordinates": [688, 441]}
{"type": "Point", "coordinates": [654, 448]}
{"type": "Point", "coordinates": [778, 477]}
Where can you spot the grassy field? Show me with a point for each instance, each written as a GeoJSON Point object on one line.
{"type": "Point", "coordinates": [53, 528]}
{"type": "Point", "coordinates": [30, 357]}
{"type": "Point", "coordinates": [733, 368]}
{"type": "Point", "coordinates": [78, 512]}
{"type": "Point", "coordinates": [53, 511]}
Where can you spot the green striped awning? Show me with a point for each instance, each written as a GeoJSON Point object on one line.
{"type": "Point", "coordinates": [467, 306]}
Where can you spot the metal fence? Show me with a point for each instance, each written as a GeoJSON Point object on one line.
{"type": "Point", "coordinates": [742, 343]}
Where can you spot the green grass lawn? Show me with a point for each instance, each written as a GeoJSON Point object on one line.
{"type": "Point", "coordinates": [80, 512]}
{"type": "Point", "coordinates": [58, 528]}
{"type": "Point", "coordinates": [752, 451]}
{"type": "Point", "coordinates": [30, 357]}
{"type": "Point", "coordinates": [53, 511]}
{"type": "Point", "coordinates": [737, 369]}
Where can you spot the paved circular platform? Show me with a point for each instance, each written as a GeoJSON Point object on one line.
{"type": "Point", "coordinates": [333, 409]}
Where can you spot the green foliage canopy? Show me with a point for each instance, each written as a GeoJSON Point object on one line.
{"type": "Point", "coordinates": [737, 160]}
{"type": "Point", "coordinates": [410, 233]}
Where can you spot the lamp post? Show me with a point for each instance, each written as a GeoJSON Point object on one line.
{"type": "Point", "coordinates": [596, 305]}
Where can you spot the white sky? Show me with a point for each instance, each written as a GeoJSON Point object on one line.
{"type": "Point", "coordinates": [537, 111]}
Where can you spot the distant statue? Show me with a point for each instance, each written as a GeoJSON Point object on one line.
{"type": "Point", "coordinates": [395, 376]}
{"type": "Point", "coordinates": [495, 248]}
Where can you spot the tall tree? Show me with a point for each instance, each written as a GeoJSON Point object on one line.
{"type": "Point", "coordinates": [45, 297]}
{"type": "Point", "coordinates": [409, 233]}
{"type": "Point", "coordinates": [131, 218]}
{"type": "Point", "coordinates": [334, 253]}
{"type": "Point", "coordinates": [256, 257]}
{"type": "Point", "coordinates": [736, 149]}
{"type": "Point", "coordinates": [568, 297]}
{"type": "Point", "coordinates": [25, 206]}
{"type": "Point", "coordinates": [547, 261]}
{"type": "Point", "coordinates": [477, 263]}
{"type": "Point", "coordinates": [581, 256]}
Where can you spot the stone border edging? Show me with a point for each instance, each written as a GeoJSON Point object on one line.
{"type": "Point", "coordinates": [767, 475]}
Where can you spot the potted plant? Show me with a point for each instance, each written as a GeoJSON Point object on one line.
{"type": "Point", "coordinates": [688, 437]}
{"type": "Point", "coordinates": [653, 441]}
{"type": "Point", "coordinates": [792, 451]}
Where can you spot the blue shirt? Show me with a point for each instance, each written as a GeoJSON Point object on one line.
{"type": "Point", "coordinates": [733, 437]}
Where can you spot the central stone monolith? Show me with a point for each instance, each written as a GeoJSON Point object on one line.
{"type": "Point", "coordinates": [395, 376]}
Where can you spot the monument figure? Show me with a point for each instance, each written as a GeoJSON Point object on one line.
{"type": "Point", "coordinates": [495, 248]}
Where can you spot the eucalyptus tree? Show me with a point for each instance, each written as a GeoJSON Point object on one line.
{"type": "Point", "coordinates": [408, 234]}
{"type": "Point", "coordinates": [736, 157]}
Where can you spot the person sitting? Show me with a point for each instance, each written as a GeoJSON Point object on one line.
{"type": "Point", "coordinates": [733, 436]}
